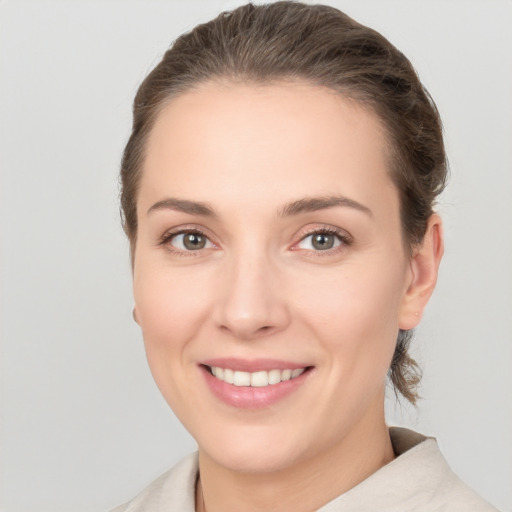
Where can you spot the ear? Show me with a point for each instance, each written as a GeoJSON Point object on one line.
{"type": "Point", "coordinates": [134, 314]}
{"type": "Point", "coordinates": [424, 266]}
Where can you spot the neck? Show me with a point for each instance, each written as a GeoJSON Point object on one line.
{"type": "Point", "coordinates": [308, 485]}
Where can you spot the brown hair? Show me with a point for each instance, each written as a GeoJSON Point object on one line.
{"type": "Point", "coordinates": [323, 46]}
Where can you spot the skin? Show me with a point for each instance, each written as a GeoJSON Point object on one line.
{"type": "Point", "coordinates": [260, 289]}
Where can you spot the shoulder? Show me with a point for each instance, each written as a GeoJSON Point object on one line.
{"type": "Point", "coordinates": [418, 480]}
{"type": "Point", "coordinates": [174, 490]}
{"type": "Point", "coordinates": [426, 471]}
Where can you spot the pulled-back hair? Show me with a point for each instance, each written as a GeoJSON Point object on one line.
{"type": "Point", "coordinates": [322, 46]}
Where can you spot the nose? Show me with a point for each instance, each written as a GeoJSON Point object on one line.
{"type": "Point", "coordinates": [251, 300]}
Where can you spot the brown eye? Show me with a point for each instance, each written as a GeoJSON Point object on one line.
{"type": "Point", "coordinates": [191, 241]}
{"type": "Point", "coordinates": [194, 241]}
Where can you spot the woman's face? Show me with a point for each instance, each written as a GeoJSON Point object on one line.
{"type": "Point", "coordinates": [270, 253]}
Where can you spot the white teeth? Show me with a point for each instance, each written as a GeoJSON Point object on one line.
{"type": "Point", "coordinates": [286, 375]}
{"type": "Point", "coordinates": [218, 372]}
{"type": "Point", "coordinates": [259, 379]}
{"type": "Point", "coordinates": [274, 376]}
{"type": "Point", "coordinates": [229, 376]}
{"type": "Point", "coordinates": [241, 379]}
{"type": "Point", "coordinates": [255, 379]}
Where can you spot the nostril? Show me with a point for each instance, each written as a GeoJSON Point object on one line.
{"type": "Point", "coordinates": [246, 333]}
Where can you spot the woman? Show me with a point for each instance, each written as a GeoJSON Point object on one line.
{"type": "Point", "coordinates": [278, 192]}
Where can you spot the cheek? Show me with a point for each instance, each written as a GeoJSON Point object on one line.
{"type": "Point", "coordinates": [168, 301]}
{"type": "Point", "coordinates": [355, 315]}
{"type": "Point", "coordinates": [171, 307]}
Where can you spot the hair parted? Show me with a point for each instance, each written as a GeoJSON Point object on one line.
{"type": "Point", "coordinates": [322, 46]}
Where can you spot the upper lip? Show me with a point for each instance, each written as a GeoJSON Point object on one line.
{"type": "Point", "coordinates": [252, 365]}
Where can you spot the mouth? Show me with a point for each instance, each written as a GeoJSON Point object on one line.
{"type": "Point", "coordinates": [258, 379]}
{"type": "Point", "coordinates": [254, 385]}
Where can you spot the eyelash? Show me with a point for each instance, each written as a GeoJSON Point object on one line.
{"type": "Point", "coordinates": [168, 236]}
{"type": "Point", "coordinates": [344, 239]}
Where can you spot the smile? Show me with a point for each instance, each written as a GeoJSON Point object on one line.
{"type": "Point", "coordinates": [255, 384]}
{"type": "Point", "coordinates": [257, 379]}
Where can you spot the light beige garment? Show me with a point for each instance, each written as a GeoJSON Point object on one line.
{"type": "Point", "coordinates": [418, 480]}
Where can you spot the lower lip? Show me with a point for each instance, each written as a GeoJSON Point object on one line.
{"type": "Point", "coordinates": [249, 397]}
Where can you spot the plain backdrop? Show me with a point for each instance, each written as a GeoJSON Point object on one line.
{"type": "Point", "coordinates": [83, 427]}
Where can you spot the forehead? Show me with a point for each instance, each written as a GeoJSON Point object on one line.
{"type": "Point", "coordinates": [239, 140]}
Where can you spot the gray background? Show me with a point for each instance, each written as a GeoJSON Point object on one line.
{"type": "Point", "coordinates": [83, 427]}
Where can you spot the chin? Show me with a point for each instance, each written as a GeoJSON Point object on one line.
{"type": "Point", "coordinates": [252, 450]}
{"type": "Point", "coordinates": [252, 461]}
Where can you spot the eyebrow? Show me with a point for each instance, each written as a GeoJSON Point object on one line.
{"type": "Point", "coordinates": [185, 206]}
{"type": "Point", "coordinates": [305, 205]}
{"type": "Point", "coordinates": [313, 204]}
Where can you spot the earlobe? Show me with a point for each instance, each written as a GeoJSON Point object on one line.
{"type": "Point", "coordinates": [424, 265]}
